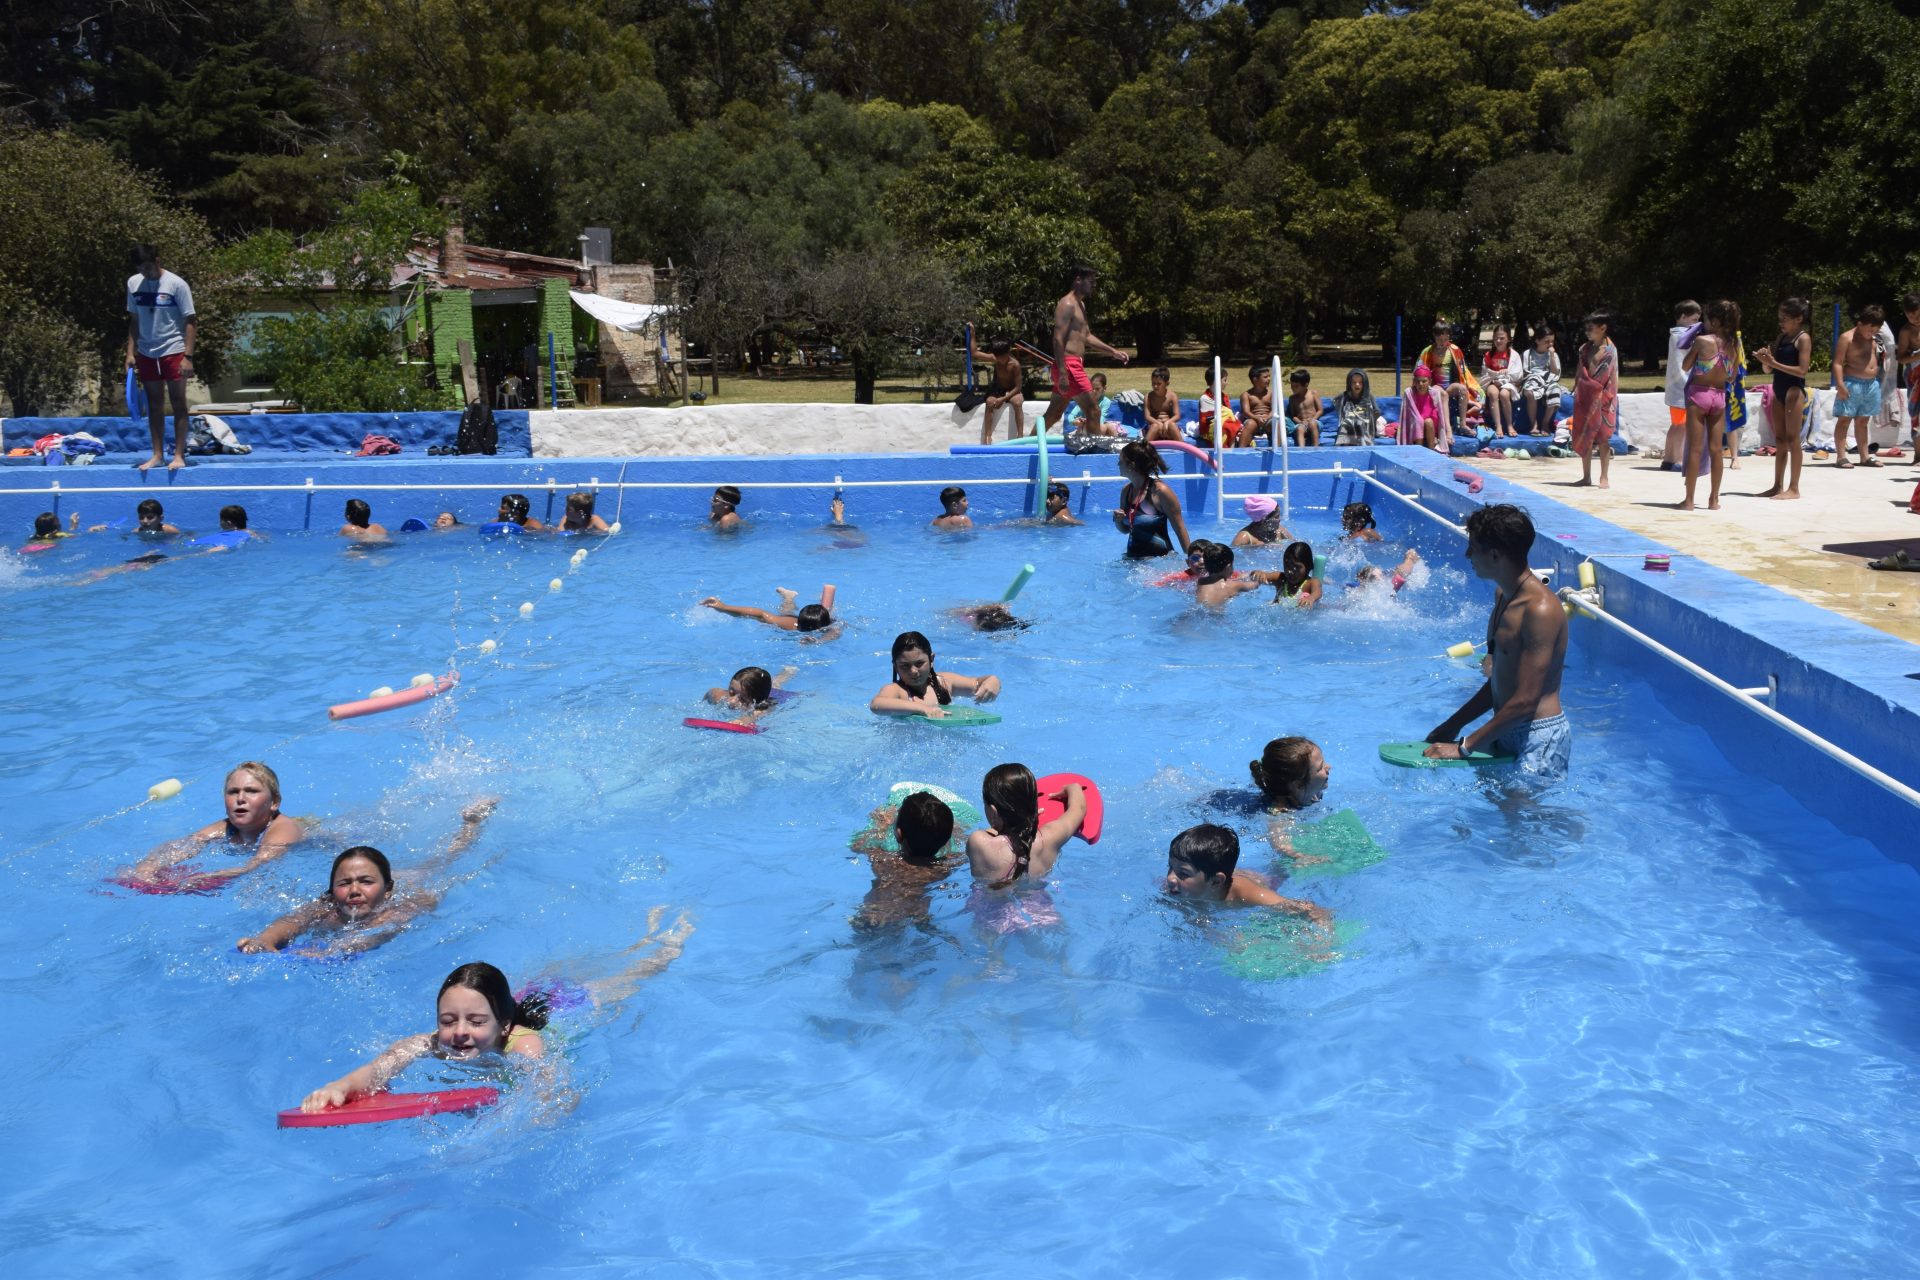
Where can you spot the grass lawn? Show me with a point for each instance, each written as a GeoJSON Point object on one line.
{"type": "Point", "coordinates": [1329, 372]}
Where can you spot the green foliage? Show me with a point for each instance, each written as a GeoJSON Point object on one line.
{"type": "Point", "coordinates": [43, 356]}
{"type": "Point", "coordinates": [70, 213]}
{"type": "Point", "coordinates": [342, 350]}
{"type": "Point", "coordinates": [880, 305]}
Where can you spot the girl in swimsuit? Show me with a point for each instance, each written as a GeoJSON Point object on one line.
{"type": "Point", "coordinates": [1357, 523]}
{"type": "Point", "coordinates": [1423, 414]}
{"type": "Point", "coordinates": [479, 1016]}
{"type": "Point", "coordinates": [1264, 528]}
{"type": "Point", "coordinates": [918, 690]}
{"type": "Point", "coordinates": [1295, 581]}
{"type": "Point", "coordinates": [1596, 390]}
{"type": "Point", "coordinates": [1709, 366]}
{"type": "Point", "coordinates": [253, 821]}
{"type": "Point", "coordinates": [1500, 375]}
{"type": "Point", "coordinates": [1014, 847]}
{"type": "Point", "coordinates": [361, 901]}
{"type": "Point", "coordinates": [1291, 773]}
{"type": "Point", "coordinates": [1789, 360]}
{"type": "Point", "coordinates": [1148, 507]}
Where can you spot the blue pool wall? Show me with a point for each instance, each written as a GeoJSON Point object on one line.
{"type": "Point", "coordinates": [1843, 680]}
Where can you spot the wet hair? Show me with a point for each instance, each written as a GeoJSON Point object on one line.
{"type": "Point", "coordinates": [1081, 271]}
{"type": "Point", "coordinates": [1601, 318]}
{"type": "Point", "coordinates": [260, 770]}
{"type": "Point", "coordinates": [149, 507]}
{"type": "Point", "coordinates": [1163, 373]}
{"type": "Point", "coordinates": [1139, 456]}
{"type": "Point", "coordinates": [581, 501]}
{"type": "Point", "coordinates": [951, 496]}
{"type": "Point", "coordinates": [371, 854]}
{"type": "Point", "coordinates": [143, 255]}
{"type": "Point", "coordinates": [1209, 848]}
{"type": "Point", "coordinates": [1283, 768]}
{"type": "Point", "coordinates": [996, 617]}
{"type": "Point", "coordinates": [1502, 528]}
{"type": "Point", "coordinates": [492, 986]}
{"type": "Point", "coordinates": [233, 516]}
{"type": "Point", "coordinates": [1872, 313]}
{"type": "Point", "coordinates": [1198, 547]}
{"type": "Point", "coordinates": [1058, 489]}
{"type": "Point", "coordinates": [1357, 515]}
{"type": "Point", "coordinates": [1798, 308]}
{"type": "Point", "coordinates": [1684, 309]}
{"type": "Point", "coordinates": [449, 515]}
{"type": "Point", "coordinates": [1298, 554]}
{"type": "Point", "coordinates": [1726, 314]}
{"type": "Point", "coordinates": [1218, 558]}
{"type": "Point", "coordinates": [358, 512]}
{"type": "Point", "coordinates": [45, 523]}
{"type": "Point", "coordinates": [999, 347]}
{"type": "Point", "coordinates": [1013, 793]}
{"type": "Point", "coordinates": [923, 826]}
{"type": "Point", "coordinates": [812, 617]}
{"type": "Point", "coordinates": [755, 683]}
{"type": "Point", "coordinates": [1299, 378]}
{"type": "Point", "coordinates": [729, 494]}
{"type": "Point", "coordinates": [910, 640]}
{"type": "Point", "coordinates": [514, 506]}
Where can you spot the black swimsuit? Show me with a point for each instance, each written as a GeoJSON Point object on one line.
{"type": "Point", "coordinates": [1786, 350]}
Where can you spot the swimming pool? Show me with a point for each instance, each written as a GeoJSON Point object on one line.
{"type": "Point", "coordinates": [1659, 1024]}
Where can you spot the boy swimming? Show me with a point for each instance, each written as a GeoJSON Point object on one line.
{"type": "Point", "coordinates": [723, 509]}
{"type": "Point", "coordinates": [922, 826]}
{"type": "Point", "coordinates": [953, 510]}
{"type": "Point", "coordinates": [813, 617]}
{"type": "Point", "coordinates": [1203, 866]}
{"type": "Point", "coordinates": [253, 821]}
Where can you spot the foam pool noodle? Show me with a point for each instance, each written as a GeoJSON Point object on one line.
{"type": "Point", "coordinates": [385, 690]}
{"type": "Point", "coordinates": [417, 681]}
{"type": "Point", "coordinates": [1019, 582]}
{"type": "Point", "coordinates": [1464, 649]}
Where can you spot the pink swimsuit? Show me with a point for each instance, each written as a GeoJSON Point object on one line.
{"type": "Point", "coordinates": [1709, 400]}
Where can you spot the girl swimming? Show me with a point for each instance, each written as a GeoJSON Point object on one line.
{"type": "Point", "coordinates": [1264, 527]}
{"type": "Point", "coordinates": [480, 1016]}
{"type": "Point", "coordinates": [253, 821]}
{"type": "Point", "coordinates": [751, 690]}
{"type": "Point", "coordinates": [1357, 523]}
{"type": "Point", "coordinates": [917, 689]}
{"type": "Point", "coordinates": [1148, 506]}
{"type": "Point", "coordinates": [1015, 846]}
{"type": "Point", "coordinates": [1291, 773]}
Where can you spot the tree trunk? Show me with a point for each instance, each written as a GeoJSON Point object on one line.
{"type": "Point", "coordinates": [865, 372]}
{"type": "Point", "coordinates": [1150, 335]}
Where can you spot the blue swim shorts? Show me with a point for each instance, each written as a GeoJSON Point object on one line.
{"type": "Point", "coordinates": [1542, 748]}
{"type": "Point", "coordinates": [1861, 399]}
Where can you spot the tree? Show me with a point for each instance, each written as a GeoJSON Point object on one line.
{"type": "Point", "coordinates": [70, 213]}
{"type": "Point", "coordinates": [877, 305]}
{"type": "Point", "coordinates": [42, 356]}
{"type": "Point", "coordinates": [734, 286]}
{"type": "Point", "coordinates": [340, 349]}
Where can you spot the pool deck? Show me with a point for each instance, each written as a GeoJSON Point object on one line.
{"type": "Point", "coordinates": [1816, 548]}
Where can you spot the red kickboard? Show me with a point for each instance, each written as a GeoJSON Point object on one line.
{"type": "Point", "coordinates": [1096, 807]}
{"type": "Point", "coordinates": [377, 1108]}
{"type": "Point", "coordinates": [182, 877]}
{"type": "Point", "coordinates": [721, 726]}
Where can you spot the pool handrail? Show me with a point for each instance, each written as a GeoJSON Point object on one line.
{"type": "Point", "coordinates": [1587, 602]}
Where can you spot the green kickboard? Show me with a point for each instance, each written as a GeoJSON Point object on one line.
{"type": "Point", "coordinates": [960, 718]}
{"type": "Point", "coordinates": [965, 816]}
{"type": "Point", "coordinates": [1341, 841]}
{"type": "Point", "coordinates": [1412, 755]}
{"type": "Point", "coordinates": [1280, 945]}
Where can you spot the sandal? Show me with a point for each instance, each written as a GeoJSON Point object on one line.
{"type": "Point", "coordinates": [1899, 562]}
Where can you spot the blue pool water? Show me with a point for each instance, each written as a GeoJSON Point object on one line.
{"type": "Point", "coordinates": [1660, 1023]}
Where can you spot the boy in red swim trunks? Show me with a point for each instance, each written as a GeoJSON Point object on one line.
{"type": "Point", "coordinates": [160, 336]}
{"type": "Point", "coordinates": [1071, 337]}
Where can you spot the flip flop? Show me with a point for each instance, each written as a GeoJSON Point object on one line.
{"type": "Point", "coordinates": [1870, 462]}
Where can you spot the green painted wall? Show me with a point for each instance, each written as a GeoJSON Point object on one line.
{"type": "Point", "coordinates": [451, 311]}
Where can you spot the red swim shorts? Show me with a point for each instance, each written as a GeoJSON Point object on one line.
{"type": "Point", "coordinates": [1070, 379]}
{"type": "Point", "coordinates": [1676, 417]}
{"type": "Point", "coordinates": [159, 368]}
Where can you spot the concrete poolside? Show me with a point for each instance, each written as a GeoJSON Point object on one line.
{"type": "Point", "coordinates": [1816, 548]}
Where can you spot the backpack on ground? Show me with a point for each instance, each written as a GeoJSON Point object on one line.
{"type": "Point", "coordinates": [478, 433]}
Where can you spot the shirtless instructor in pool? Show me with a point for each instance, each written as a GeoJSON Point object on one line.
{"type": "Point", "coordinates": [1071, 337]}
{"type": "Point", "coordinates": [1526, 649]}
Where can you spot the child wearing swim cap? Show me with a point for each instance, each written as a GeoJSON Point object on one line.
{"type": "Point", "coordinates": [1263, 522]}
